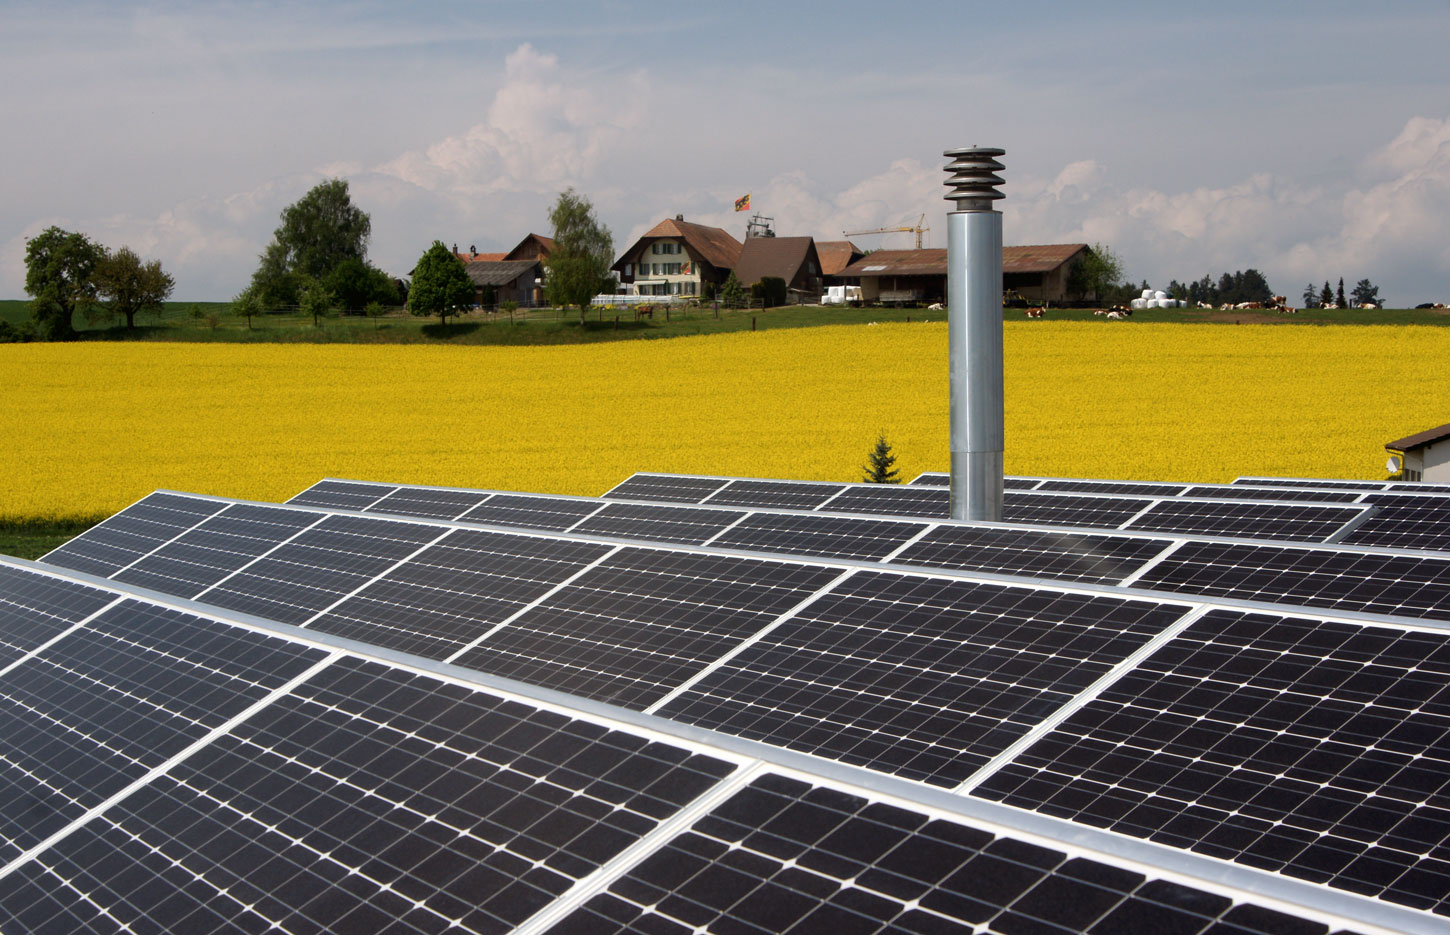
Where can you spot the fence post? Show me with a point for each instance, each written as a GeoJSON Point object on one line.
{"type": "Point", "coordinates": [752, 322]}
{"type": "Point", "coordinates": [616, 321]}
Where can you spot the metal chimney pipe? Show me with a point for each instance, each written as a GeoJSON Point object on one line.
{"type": "Point", "coordinates": [974, 332]}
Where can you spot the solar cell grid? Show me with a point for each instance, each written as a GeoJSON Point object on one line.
{"type": "Point", "coordinates": [642, 621]}
{"type": "Point", "coordinates": [35, 608]}
{"type": "Point", "coordinates": [1308, 482]}
{"type": "Point", "coordinates": [1130, 487]}
{"type": "Point", "coordinates": [833, 536]}
{"type": "Point", "coordinates": [130, 534]}
{"type": "Point", "coordinates": [925, 678]}
{"type": "Point", "coordinates": [689, 525]}
{"type": "Point", "coordinates": [106, 703]}
{"type": "Point", "coordinates": [1401, 522]}
{"type": "Point", "coordinates": [341, 495]}
{"type": "Point", "coordinates": [219, 546]}
{"type": "Point", "coordinates": [792, 495]}
{"type": "Point", "coordinates": [531, 512]}
{"type": "Point", "coordinates": [1069, 510]}
{"type": "Point", "coordinates": [428, 502]}
{"type": "Point", "coordinates": [1408, 586]}
{"type": "Point", "coordinates": [784, 856]}
{"type": "Point", "coordinates": [1302, 522]}
{"type": "Point", "coordinates": [319, 567]}
{"type": "Point", "coordinates": [452, 592]}
{"type": "Point", "coordinates": [1070, 556]}
{"type": "Point", "coordinates": [1231, 492]}
{"type": "Point", "coordinates": [369, 799]}
{"type": "Point", "coordinates": [896, 501]}
{"type": "Point", "coordinates": [670, 488]}
{"type": "Point", "coordinates": [1317, 750]}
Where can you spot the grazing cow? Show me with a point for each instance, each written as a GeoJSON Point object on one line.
{"type": "Point", "coordinates": [1368, 305]}
{"type": "Point", "coordinates": [1100, 311]}
{"type": "Point", "coordinates": [1280, 300]}
{"type": "Point", "coordinates": [1204, 305]}
{"type": "Point", "coordinates": [1034, 313]}
{"type": "Point", "coordinates": [1116, 315]}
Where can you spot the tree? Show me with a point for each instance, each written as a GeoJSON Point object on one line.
{"type": "Point", "coordinates": [1310, 296]}
{"type": "Point", "coordinates": [770, 290]}
{"type": "Point", "coordinates": [1097, 271]}
{"type": "Point", "coordinates": [1326, 295]}
{"type": "Point", "coordinates": [1365, 292]}
{"type": "Point", "coordinates": [440, 284]}
{"type": "Point", "coordinates": [732, 294]}
{"type": "Point", "coordinates": [60, 271]}
{"type": "Point", "coordinates": [577, 269]}
{"type": "Point", "coordinates": [315, 300]}
{"type": "Point", "coordinates": [318, 232]}
{"type": "Point", "coordinates": [130, 286]}
{"type": "Point", "coordinates": [355, 283]}
{"type": "Point", "coordinates": [1339, 296]}
{"type": "Point", "coordinates": [246, 305]}
{"type": "Point", "coordinates": [878, 467]}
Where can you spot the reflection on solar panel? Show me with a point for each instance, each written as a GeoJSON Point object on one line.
{"type": "Point", "coordinates": [787, 495]}
{"type": "Point", "coordinates": [667, 487]}
{"type": "Point", "coordinates": [786, 856]}
{"type": "Point", "coordinates": [1041, 554]}
{"type": "Point", "coordinates": [926, 679]}
{"type": "Point", "coordinates": [1404, 585]}
{"type": "Point", "coordinates": [1312, 749]}
{"type": "Point", "coordinates": [1401, 522]}
{"type": "Point", "coordinates": [132, 533]}
{"type": "Point", "coordinates": [640, 622]}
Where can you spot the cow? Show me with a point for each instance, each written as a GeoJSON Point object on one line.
{"type": "Point", "coordinates": [1116, 315]}
{"type": "Point", "coordinates": [1368, 305]}
{"type": "Point", "coordinates": [1034, 313]}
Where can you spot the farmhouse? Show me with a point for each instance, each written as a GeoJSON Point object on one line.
{"type": "Point", "coordinates": [677, 257]}
{"type": "Point", "coordinates": [515, 276]}
{"type": "Point", "coordinates": [793, 259]}
{"type": "Point", "coordinates": [1426, 454]}
{"type": "Point", "coordinates": [1038, 273]}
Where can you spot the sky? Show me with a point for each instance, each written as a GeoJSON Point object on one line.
{"type": "Point", "coordinates": [1310, 140]}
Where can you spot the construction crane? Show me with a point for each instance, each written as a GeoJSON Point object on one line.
{"type": "Point", "coordinates": [918, 229]}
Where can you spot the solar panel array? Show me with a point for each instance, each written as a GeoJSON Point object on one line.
{"type": "Point", "coordinates": [863, 746]}
{"type": "Point", "coordinates": [245, 776]}
{"type": "Point", "coordinates": [1337, 578]}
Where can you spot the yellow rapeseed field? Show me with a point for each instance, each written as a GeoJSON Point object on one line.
{"type": "Point", "coordinates": [90, 427]}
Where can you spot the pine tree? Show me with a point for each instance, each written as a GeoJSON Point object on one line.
{"type": "Point", "coordinates": [1326, 296]}
{"type": "Point", "coordinates": [1339, 296]}
{"type": "Point", "coordinates": [878, 466]}
{"type": "Point", "coordinates": [1310, 294]}
{"type": "Point", "coordinates": [732, 294]}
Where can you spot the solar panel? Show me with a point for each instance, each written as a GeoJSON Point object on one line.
{"type": "Point", "coordinates": [667, 487]}
{"type": "Point", "coordinates": [530, 512]}
{"type": "Point", "coordinates": [222, 544]}
{"type": "Point", "coordinates": [1404, 522]}
{"type": "Point", "coordinates": [784, 855]}
{"type": "Point", "coordinates": [1407, 586]}
{"type": "Point", "coordinates": [642, 621]}
{"type": "Point", "coordinates": [1309, 482]}
{"type": "Point", "coordinates": [1039, 553]}
{"type": "Point", "coordinates": [125, 537]}
{"type": "Point", "coordinates": [1230, 492]}
{"type": "Point", "coordinates": [319, 567]}
{"type": "Point", "coordinates": [832, 536]}
{"type": "Point", "coordinates": [454, 591]}
{"type": "Point", "coordinates": [427, 502]}
{"type": "Point", "coordinates": [1312, 749]}
{"type": "Point", "coordinates": [342, 495]}
{"type": "Point", "coordinates": [1293, 521]}
{"type": "Point", "coordinates": [790, 495]}
{"type": "Point", "coordinates": [1129, 487]}
{"type": "Point", "coordinates": [686, 524]}
{"type": "Point", "coordinates": [34, 609]}
{"type": "Point", "coordinates": [96, 710]}
{"type": "Point", "coordinates": [927, 679]}
{"type": "Point", "coordinates": [930, 502]}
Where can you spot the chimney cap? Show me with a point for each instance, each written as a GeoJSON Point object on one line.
{"type": "Point", "coordinates": [973, 184]}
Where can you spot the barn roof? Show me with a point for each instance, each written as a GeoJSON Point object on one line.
{"type": "Point", "coordinates": [546, 246]}
{"type": "Point", "coordinates": [712, 244]}
{"type": "Point", "coordinates": [497, 272]}
{"type": "Point", "coordinates": [1039, 258]}
{"type": "Point", "coordinates": [1420, 439]}
{"type": "Point", "coordinates": [836, 255]}
{"type": "Point", "coordinates": [772, 256]}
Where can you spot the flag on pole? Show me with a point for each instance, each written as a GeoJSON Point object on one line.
{"type": "Point", "coordinates": [743, 202]}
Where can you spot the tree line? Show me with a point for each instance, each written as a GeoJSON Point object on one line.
{"type": "Point", "coordinates": [1364, 293]}
{"type": "Point", "coordinates": [67, 272]}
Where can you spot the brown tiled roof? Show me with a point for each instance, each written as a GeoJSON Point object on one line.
{"type": "Point", "coordinates": [836, 255]}
{"type": "Point", "coordinates": [1419, 439]}
{"type": "Point", "coordinates": [497, 272]}
{"type": "Point", "coordinates": [712, 244]}
{"type": "Point", "coordinates": [1041, 258]}
{"type": "Point", "coordinates": [479, 257]}
{"type": "Point", "coordinates": [772, 256]}
{"type": "Point", "coordinates": [1032, 259]}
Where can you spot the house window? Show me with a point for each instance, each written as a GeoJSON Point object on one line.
{"type": "Point", "coordinates": [629, 269]}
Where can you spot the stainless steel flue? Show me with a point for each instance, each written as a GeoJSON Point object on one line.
{"type": "Point", "coordinates": [974, 332]}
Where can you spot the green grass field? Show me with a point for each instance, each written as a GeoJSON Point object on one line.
{"type": "Point", "coordinates": [188, 321]}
